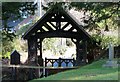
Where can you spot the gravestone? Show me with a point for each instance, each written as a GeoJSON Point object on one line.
{"type": "Point", "coordinates": [15, 58]}
{"type": "Point", "coordinates": [111, 52]}
{"type": "Point", "coordinates": [111, 62]}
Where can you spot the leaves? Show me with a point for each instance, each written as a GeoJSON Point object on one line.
{"type": "Point", "coordinates": [16, 10]}
{"type": "Point", "coordinates": [13, 11]}
{"type": "Point", "coordinates": [104, 40]}
{"type": "Point", "coordinates": [48, 43]}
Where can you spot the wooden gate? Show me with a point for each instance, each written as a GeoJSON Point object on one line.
{"type": "Point", "coordinates": [58, 65]}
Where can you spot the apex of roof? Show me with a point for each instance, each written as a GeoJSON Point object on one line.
{"type": "Point", "coordinates": [56, 10]}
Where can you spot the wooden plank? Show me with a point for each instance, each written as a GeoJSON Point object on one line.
{"type": "Point", "coordinates": [55, 19]}
{"type": "Point", "coordinates": [57, 34]}
{"type": "Point", "coordinates": [36, 26]}
{"type": "Point", "coordinates": [48, 27]}
{"type": "Point", "coordinates": [72, 28]}
{"type": "Point", "coordinates": [65, 26]}
{"type": "Point", "coordinates": [41, 48]}
{"type": "Point", "coordinates": [53, 25]}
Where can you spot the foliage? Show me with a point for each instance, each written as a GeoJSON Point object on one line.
{"type": "Point", "coordinates": [101, 16]}
{"type": "Point", "coordinates": [105, 40]}
{"type": "Point", "coordinates": [69, 42]}
{"type": "Point", "coordinates": [48, 43]}
{"type": "Point", "coordinates": [54, 45]}
{"type": "Point", "coordinates": [23, 29]}
{"type": "Point", "coordinates": [19, 44]}
{"type": "Point", "coordinates": [7, 55]}
{"type": "Point", "coordinates": [98, 11]}
{"type": "Point", "coordinates": [6, 47]}
{"type": "Point", "coordinates": [108, 39]}
{"type": "Point", "coordinates": [54, 4]}
{"type": "Point", "coordinates": [13, 11]}
{"type": "Point", "coordinates": [17, 9]}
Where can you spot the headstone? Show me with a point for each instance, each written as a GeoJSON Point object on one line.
{"type": "Point", "coordinates": [111, 52]}
{"type": "Point", "coordinates": [15, 58]}
{"type": "Point", "coordinates": [111, 62]}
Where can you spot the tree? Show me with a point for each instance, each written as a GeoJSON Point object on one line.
{"type": "Point", "coordinates": [99, 12]}
{"type": "Point", "coordinates": [15, 10]}
{"type": "Point", "coordinates": [12, 11]}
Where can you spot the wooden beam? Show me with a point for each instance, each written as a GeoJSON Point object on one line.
{"type": "Point", "coordinates": [47, 26]}
{"type": "Point", "coordinates": [54, 20]}
{"type": "Point", "coordinates": [85, 51]}
{"type": "Point", "coordinates": [38, 24]}
{"type": "Point", "coordinates": [42, 30]}
{"type": "Point", "coordinates": [40, 48]}
{"type": "Point", "coordinates": [53, 25]}
{"type": "Point", "coordinates": [58, 33]}
{"type": "Point", "coordinates": [72, 28]}
{"type": "Point", "coordinates": [65, 26]}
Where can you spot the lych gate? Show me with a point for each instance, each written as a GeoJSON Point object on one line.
{"type": "Point", "coordinates": [50, 25]}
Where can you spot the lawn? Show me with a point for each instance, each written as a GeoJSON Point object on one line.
{"type": "Point", "coordinates": [94, 71]}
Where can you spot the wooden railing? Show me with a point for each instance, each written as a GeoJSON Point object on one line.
{"type": "Point", "coordinates": [65, 64]}
{"type": "Point", "coordinates": [59, 62]}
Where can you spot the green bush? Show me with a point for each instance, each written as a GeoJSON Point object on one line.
{"type": "Point", "coordinates": [105, 40]}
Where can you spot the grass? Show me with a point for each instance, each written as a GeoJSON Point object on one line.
{"type": "Point", "coordinates": [94, 71]}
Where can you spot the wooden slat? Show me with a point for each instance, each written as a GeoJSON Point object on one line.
{"type": "Point", "coordinates": [60, 61]}
{"type": "Point", "coordinates": [47, 26]}
{"type": "Point", "coordinates": [44, 29]}
{"type": "Point", "coordinates": [72, 28]}
{"type": "Point", "coordinates": [52, 24]}
{"type": "Point", "coordinates": [54, 20]}
{"type": "Point", "coordinates": [65, 26]}
{"type": "Point", "coordinates": [56, 33]}
{"type": "Point", "coordinates": [54, 28]}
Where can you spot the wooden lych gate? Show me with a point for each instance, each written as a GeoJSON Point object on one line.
{"type": "Point", "coordinates": [51, 25]}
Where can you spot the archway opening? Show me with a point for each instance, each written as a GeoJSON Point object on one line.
{"type": "Point", "coordinates": [58, 48]}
